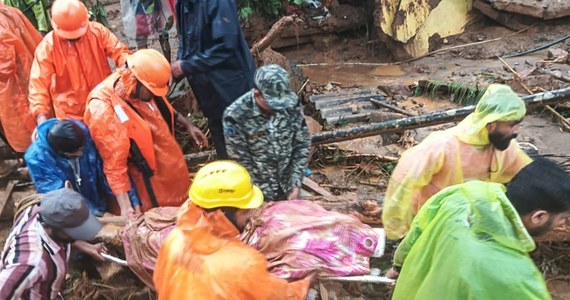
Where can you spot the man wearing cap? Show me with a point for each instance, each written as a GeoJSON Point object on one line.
{"type": "Point", "coordinates": [132, 125]}
{"type": "Point", "coordinates": [481, 147]}
{"type": "Point", "coordinates": [265, 131]}
{"type": "Point", "coordinates": [34, 261]}
{"type": "Point", "coordinates": [64, 151]}
{"type": "Point", "coordinates": [202, 259]}
{"type": "Point", "coordinates": [70, 61]}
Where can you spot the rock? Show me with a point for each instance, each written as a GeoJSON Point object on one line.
{"type": "Point", "coordinates": [395, 89]}
{"type": "Point", "coordinates": [545, 9]}
{"type": "Point", "coordinates": [400, 97]}
{"type": "Point", "coordinates": [558, 55]}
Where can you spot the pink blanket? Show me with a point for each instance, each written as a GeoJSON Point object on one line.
{"type": "Point", "coordinates": [299, 237]}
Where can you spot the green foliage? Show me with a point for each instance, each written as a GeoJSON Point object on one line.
{"type": "Point", "coordinates": [269, 9]}
{"type": "Point", "coordinates": [97, 13]}
{"type": "Point", "coordinates": [388, 168]}
{"type": "Point", "coordinates": [461, 94]}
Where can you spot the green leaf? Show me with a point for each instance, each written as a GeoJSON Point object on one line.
{"type": "Point", "coordinates": [245, 12]}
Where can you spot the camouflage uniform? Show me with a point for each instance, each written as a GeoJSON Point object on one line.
{"type": "Point", "coordinates": [274, 149]}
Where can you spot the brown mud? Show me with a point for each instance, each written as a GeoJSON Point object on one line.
{"type": "Point", "coordinates": [370, 65]}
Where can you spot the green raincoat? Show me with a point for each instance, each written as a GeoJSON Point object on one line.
{"type": "Point", "coordinates": [468, 242]}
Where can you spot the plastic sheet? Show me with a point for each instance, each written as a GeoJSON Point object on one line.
{"type": "Point", "coordinates": [142, 238]}
{"type": "Point", "coordinates": [145, 18]}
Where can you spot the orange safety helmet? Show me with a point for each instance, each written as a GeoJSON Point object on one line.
{"type": "Point", "coordinates": [152, 69]}
{"type": "Point", "coordinates": [69, 19]}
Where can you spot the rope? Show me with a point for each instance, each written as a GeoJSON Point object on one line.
{"type": "Point", "coordinates": [26, 202]}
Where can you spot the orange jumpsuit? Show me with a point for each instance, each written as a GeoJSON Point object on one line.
{"type": "Point", "coordinates": [201, 260]}
{"type": "Point", "coordinates": [171, 179]}
{"type": "Point", "coordinates": [63, 72]}
{"type": "Point", "coordinates": [18, 40]}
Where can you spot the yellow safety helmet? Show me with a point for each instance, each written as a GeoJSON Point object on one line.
{"type": "Point", "coordinates": [224, 183]}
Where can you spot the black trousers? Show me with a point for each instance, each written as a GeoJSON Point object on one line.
{"type": "Point", "coordinates": [217, 131]}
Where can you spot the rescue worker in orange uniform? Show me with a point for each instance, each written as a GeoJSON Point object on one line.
{"type": "Point", "coordinates": [202, 259]}
{"type": "Point", "coordinates": [70, 61]}
{"type": "Point", "coordinates": [132, 125]}
{"type": "Point", "coordinates": [18, 40]}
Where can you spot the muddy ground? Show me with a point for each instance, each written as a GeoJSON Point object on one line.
{"type": "Point", "coordinates": [356, 59]}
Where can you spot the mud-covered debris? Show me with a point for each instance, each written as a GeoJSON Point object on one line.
{"type": "Point", "coordinates": [558, 55]}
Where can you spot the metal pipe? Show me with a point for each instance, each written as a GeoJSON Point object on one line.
{"type": "Point", "coordinates": [363, 278]}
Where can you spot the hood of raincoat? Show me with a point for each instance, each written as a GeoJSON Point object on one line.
{"type": "Point", "coordinates": [498, 103]}
{"type": "Point", "coordinates": [211, 229]}
{"type": "Point", "coordinates": [468, 231]}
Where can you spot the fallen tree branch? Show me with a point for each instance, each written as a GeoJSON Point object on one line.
{"type": "Point", "coordinates": [518, 79]}
{"type": "Point", "coordinates": [564, 121]}
{"type": "Point", "coordinates": [273, 34]}
{"type": "Point", "coordinates": [380, 184]}
{"type": "Point", "coordinates": [391, 107]}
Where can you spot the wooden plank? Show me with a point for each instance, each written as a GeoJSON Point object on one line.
{"type": "Point", "coordinates": [348, 118]}
{"type": "Point", "coordinates": [341, 95]}
{"type": "Point", "coordinates": [5, 195]}
{"type": "Point", "coordinates": [391, 107]}
{"type": "Point", "coordinates": [315, 187]}
{"type": "Point", "coordinates": [319, 104]}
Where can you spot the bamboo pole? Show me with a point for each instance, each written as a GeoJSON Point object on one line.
{"type": "Point", "coordinates": [540, 99]}
{"type": "Point", "coordinates": [535, 100]}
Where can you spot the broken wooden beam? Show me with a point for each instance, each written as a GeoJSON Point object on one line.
{"type": "Point", "coordinates": [274, 33]}
{"type": "Point", "coordinates": [194, 159]}
{"type": "Point", "coordinates": [315, 187]}
{"type": "Point", "coordinates": [535, 100]}
{"type": "Point", "coordinates": [563, 121]}
{"type": "Point", "coordinates": [340, 187]}
{"type": "Point", "coordinates": [5, 194]}
{"type": "Point", "coordinates": [391, 107]}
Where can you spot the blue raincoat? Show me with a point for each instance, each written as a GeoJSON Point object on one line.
{"type": "Point", "coordinates": [215, 56]}
{"type": "Point", "coordinates": [49, 171]}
